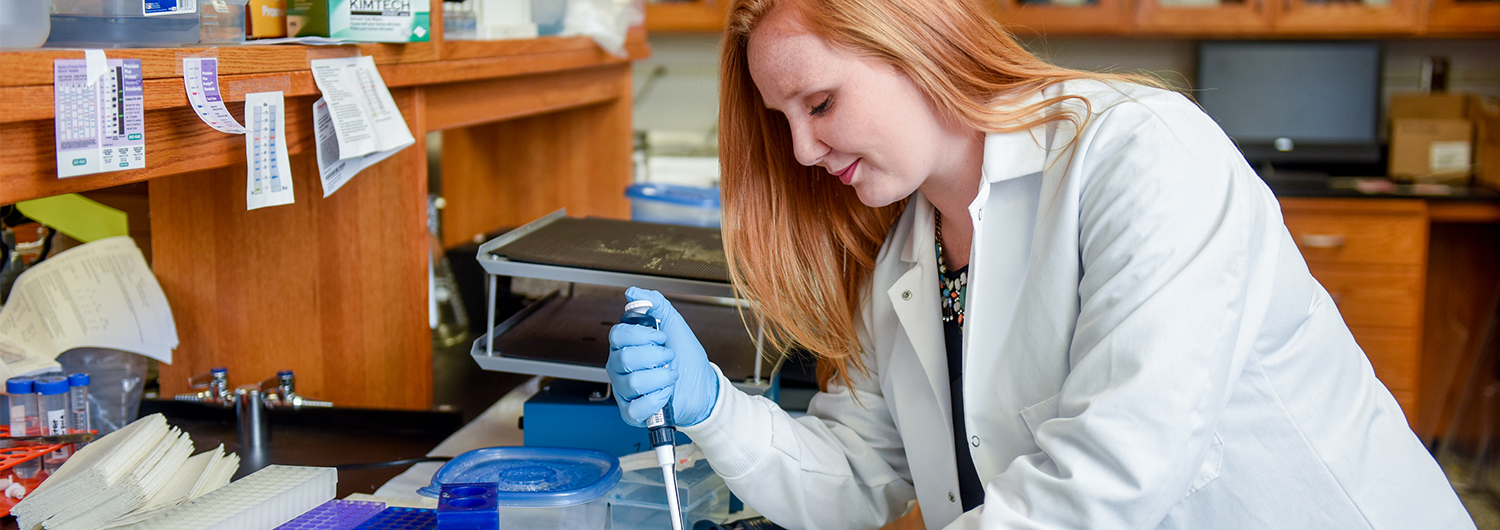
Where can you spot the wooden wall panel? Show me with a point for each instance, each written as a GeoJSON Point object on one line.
{"type": "Point", "coordinates": [334, 289]}
{"type": "Point", "coordinates": [507, 173]}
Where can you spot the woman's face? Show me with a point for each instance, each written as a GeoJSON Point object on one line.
{"type": "Point", "coordinates": [862, 120]}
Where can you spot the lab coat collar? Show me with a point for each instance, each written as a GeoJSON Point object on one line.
{"type": "Point", "coordinates": [1006, 156]}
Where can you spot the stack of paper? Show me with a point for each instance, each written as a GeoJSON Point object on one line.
{"type": "Point", "coordinates": [204, 472]}
{"type": "Point", "coordinates": [101, 294]}
{"type": "Point", "coordinates": [143, 466]}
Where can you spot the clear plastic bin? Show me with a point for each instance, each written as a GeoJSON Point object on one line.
{"type": "Point", "coordinates": [118, 24]}
{"type": "Point", "coordinates": [23, 23]}
{"type": "Point", "coordinates": [673, 204]}
{"type": "Point", "coordinates": [221, 21]}
{"type": "Point", "coordinates": [549, 16]}
{"type": "Point", "coordinates": [538, 488]}
{"type": "Point", "coordinates": [639, 501]}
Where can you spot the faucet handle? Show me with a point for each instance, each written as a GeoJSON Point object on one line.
{"type": "Point", "coordinates": [284, 388]}
{"type": "Point", "coordinates": [215, 386]}
{"type": "Point", "coordinates": [207, 379]}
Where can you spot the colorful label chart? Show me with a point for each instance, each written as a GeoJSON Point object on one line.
{"type": "Point", "coordinates": [100, 125]}
{"type": "Point", "coordinates": [200, 78]}
{"type": "Point", "coordinates": [269, 182]}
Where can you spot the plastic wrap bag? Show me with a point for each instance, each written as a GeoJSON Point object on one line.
{"type": "Point", "coordinates": [116, 380]}
{"type": "Point", "coordinates": [605, 21]}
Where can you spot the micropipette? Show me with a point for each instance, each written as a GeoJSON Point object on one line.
{"type": "Point", "coordinates": [663, 433]}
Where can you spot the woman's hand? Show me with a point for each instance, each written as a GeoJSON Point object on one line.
{"type": "Point", "coordinates": [648, 366]}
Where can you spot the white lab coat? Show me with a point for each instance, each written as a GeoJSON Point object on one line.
{"type": "Point", "coordinates": [1144, 348]}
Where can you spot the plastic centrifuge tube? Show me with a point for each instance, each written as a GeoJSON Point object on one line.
{"type": "Point", "coordinates": [23, 420]}
{"type": "Point", "coordinates": [53, 398]}
{"type": "Point", "coordinates": [78, 403]}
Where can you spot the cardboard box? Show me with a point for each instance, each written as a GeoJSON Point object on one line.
{"type": "Point", "coordinates": [360, 20]}
{"type": "Point", "coordinates": [1431, 150]}
{"type": "Point", "coordinates": [1484, 113]}
{"type": "Point", "coordinates": [1429, 106]}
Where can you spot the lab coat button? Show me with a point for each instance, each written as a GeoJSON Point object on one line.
{"type": "Point", "coordinates": [974, 441]}
{"type": "Point", "coordinates": [950, 497]}
{"type": "Point", "coordinates": [906, 295]}
{"type": "Point", "coordinates": [979, 215]}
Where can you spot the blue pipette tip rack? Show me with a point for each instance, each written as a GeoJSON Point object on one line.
{"type": "Point", "coordinates": [335, 515]}
{"type": "Point", "coordinates": [468, 507]}
{"type": "Point", "coordinates": [397, 518]}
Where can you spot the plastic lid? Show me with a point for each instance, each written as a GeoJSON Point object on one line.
{"type": "Point", "coordinates": [638, 306]}
{"type": "Point", "coordinates": [18, 385]}
{"type": "Point", "coordinates": [532, 477]}
{"type": "Point", "coordinates": [683, 195]}
{"type": "Point", "coordinates": [52, 385]}
{"type": "Point", "coordinates": [78, 379]}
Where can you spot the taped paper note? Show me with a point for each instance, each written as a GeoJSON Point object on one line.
{"type": "Point", "coordinates": [200, 77]}
{"type": "Point", "coordinates": [269, 182]}
{"type": "Point", "coordinates": [333, 171]}
{"type": "Point", "coordinates": [365, 117]}
{"type": "Point", "coordinates": [101, 126]}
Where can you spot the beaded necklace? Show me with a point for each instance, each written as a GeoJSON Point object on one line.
{"type": "Point", "coordinates": [953, 289]}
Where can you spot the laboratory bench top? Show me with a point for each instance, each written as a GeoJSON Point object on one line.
{"type": "Point", "coordinates": [1374, 188]}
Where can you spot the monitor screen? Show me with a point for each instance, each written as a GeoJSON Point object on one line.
{"type": "Point", "coordinates": [1294, 102]}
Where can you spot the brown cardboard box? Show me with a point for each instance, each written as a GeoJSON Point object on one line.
{"type": "Point", "coordinates": [1432, 150]}
{"type": "Point", "coordinates": [1432, 138]}
{"type": "Point", "coordinates": [1485, 114]}
{"type": "Point", "coordinates": [1428, 106]}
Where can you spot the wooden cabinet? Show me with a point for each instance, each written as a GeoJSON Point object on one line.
{"type": "Point", "coordinates": [1204, 18]}
{"type": "Point", "coordinates": [1065, 17]}
{"type": "Point", "coordinates": [1188, 18]}
{"type": "Point", "coordinates": [686, 16]}
{"type": "Point", "coordinates": [335, 288]}
{"type": "Point", "coordinates": [1371, 256]}
{"type": "Point", "coordinates": [1278, 17]}
{"type": "Point", "coordinates": [1463, 17]}
{"type": "Point", "coordinates": [1347, 17]}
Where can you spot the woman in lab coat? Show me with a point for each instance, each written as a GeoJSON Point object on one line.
{"type": "Point", "coordinates": [1041, 298]}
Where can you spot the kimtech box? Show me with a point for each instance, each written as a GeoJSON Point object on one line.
{"type": "Point", "coordinates": [360, 20]}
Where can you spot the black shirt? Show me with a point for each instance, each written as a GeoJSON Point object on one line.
{"type": "Point", "coordinates": [969, 486]}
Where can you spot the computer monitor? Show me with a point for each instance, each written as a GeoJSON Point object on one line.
{"type": "Point", "coordinates": [1287, 102]}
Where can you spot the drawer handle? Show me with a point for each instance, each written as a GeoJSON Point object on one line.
{"type": "Point", "coordinates": [1320, 241]}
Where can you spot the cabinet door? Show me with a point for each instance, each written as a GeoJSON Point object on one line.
{"type": "Point", "coordinates": [686, 16]}
{"type": "Point", "coordinates": [1346, 17]}
{"type": "Point", "coordinates": [1466, 17]}
{"type": "Point", "coordinates": [1064, 17]}
{"type": "Point", "coordinates": [1204, 17]}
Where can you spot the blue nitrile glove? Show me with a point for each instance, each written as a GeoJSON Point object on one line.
{"type": "Point", "coordinates": [649, 366]}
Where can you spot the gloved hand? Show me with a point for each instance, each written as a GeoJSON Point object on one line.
{"type": "Point", "coordinates": [650, 366]}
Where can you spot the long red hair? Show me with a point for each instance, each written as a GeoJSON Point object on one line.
{"type": "Point", "coordinates": [802, 247]}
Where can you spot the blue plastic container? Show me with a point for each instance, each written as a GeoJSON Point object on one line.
{"type": "Point", "coordinates": [468, 507]}
{"type": "Point", "coordinates": [538, 487]}
{"type": "Point", "coordinates": [672, 204]}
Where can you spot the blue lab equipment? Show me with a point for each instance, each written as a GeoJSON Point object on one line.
{"type": "Point", "coordinates": [468, 507]}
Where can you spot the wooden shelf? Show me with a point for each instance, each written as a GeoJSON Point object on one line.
{"type": "Point", "coordinates": [178, 142]}
{"type": "Point", "coordinates": [334, 287]}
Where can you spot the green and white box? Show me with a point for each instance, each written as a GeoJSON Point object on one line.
{"type": "Point", "coordinates": [360, 20]}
